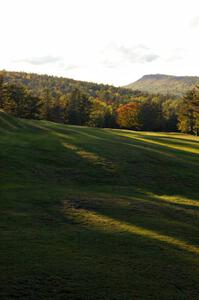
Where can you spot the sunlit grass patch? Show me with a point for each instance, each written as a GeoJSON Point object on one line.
{"type": "Point", "coordinates": [138, 137]}
{"type": "Point", "coordinates": [102, 222]}
{"type": "Point", "coordinates": [177, 200]}
{"type": "Point", "coordinates": [90, 156]}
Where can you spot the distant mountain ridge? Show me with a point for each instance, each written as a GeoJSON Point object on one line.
{"type": "Point", "coordinates": [164, 84]}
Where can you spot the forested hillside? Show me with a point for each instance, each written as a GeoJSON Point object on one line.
{"type": "Point", "coordinates": [63, 100]}
{"type": "Point", "coordinates": [164, 84]}
{"type": "Point", "coordinates": [61, 86]}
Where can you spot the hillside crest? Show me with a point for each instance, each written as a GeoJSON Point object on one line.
{"type": "Point", "coordinates": [165, 84]}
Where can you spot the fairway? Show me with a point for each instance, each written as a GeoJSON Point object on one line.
{"type": "Point", "coordinates": [91, 213]}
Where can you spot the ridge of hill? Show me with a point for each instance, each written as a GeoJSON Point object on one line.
{"type": "Point", "coordinates": [57, 86]}
{"type": "Point", "coordinates": [164, 84]}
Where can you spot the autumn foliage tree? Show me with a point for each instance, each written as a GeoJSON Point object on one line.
{"type": "Point", "coordinates": [128, 115]}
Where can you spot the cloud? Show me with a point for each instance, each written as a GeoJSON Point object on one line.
{"type": "Point", "coordinates": [137, 54]}
{"type": "Point", "coordinates": [49, 59]}
{"type": "Point", "coordinates": [119, 55]}
{"type": "Point", "coordinates": [42, 60]}
{"type": "Point", "coordinates": [150, 57]}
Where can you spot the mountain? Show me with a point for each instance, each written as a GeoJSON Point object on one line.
{"type": "Point", "coordinates": [164, 84]}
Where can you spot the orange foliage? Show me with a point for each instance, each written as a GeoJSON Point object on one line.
{"type": "Point", "coordinates": [128, 115]}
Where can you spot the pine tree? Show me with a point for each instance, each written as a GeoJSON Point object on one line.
{"type": "Point", "coordinates": [189, 112]}
{"type": "Point", "coordinates": [1, 89]}
{"type": "Point", "coordinates": [78, 108]}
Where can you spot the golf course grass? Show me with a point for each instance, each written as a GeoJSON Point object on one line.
{"type": "Point", "coordinates": [91, 213]}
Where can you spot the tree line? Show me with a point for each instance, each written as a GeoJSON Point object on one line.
{"type": "Point", "coordinates": [99, 105]}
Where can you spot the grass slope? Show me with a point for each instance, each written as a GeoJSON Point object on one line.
{"type": "Point", "coordinates": [164, 84]}
{"type": "Point", "coordinates": [97, 213]}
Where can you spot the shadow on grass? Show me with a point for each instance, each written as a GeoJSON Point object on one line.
{"type": "Point", "coordinates": [129, 229]}
{"type": "Point", "coordinates": [141, 210]}
{"type": "Point", "coordinates": [140, 239]}
{"type": "Point", "coordinates": [128, 161]}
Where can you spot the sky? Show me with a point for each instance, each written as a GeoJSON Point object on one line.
{"type": "Point", "coordinates": [104, 41]}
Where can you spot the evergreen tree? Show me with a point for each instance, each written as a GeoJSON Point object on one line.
{"type": "Point", "coordinates": [78, 109]}
{"type": "Point", "coordinates": [47, 103]}
{"type": "Point", "coordinates": [19, 102]}
{"type": "Point", "coordinates": [189, 112]}
{"type": "Point", "coordinates": [151, 117]}
{"type": "Point", "coordinates": [1, 89]}
{"type": "Point", "coordinates": [101, 114]}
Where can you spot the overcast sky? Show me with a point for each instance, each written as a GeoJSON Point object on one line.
{"type": "Point", "coordinates": [109, 41]}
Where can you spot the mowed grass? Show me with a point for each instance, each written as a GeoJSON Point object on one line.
{"type": "Point", "coordinates": [97, 213]}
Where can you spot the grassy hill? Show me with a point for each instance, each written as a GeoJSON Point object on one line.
{"type": "Point", "coordinates": [164, 84]}
{"type": "Point", "coordinates": [97, 213]}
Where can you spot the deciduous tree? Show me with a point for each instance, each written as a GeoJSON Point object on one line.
{"type": "Point", "coordinates": [128, 115]}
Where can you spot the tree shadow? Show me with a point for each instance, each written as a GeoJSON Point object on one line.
{"type": "Point", "coordinates": [139, 170]}
{"type": "Point", "coordinates": [122, 220]}
{"type": "Point", "coordinates": [129, 162]}
{"type": "Point", "coordinates": [142, 210]}
{"type": "Point", "coordinates": [139, 235]}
